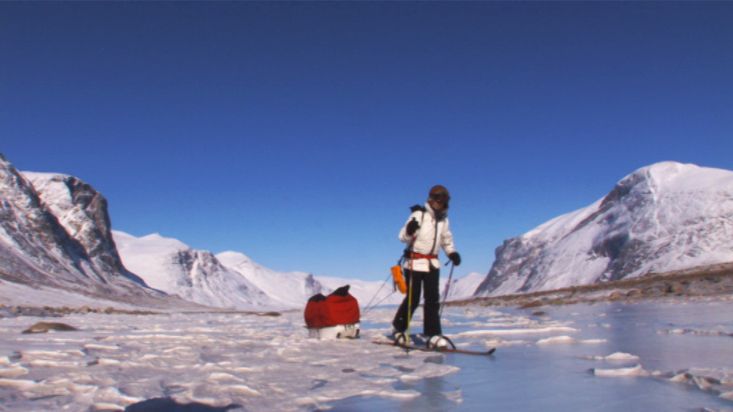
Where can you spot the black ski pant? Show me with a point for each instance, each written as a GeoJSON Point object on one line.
{"type": "Point", "coordinates": [431, 308]}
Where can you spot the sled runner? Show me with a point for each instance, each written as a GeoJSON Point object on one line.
{"type": "Point", "coordinates": [334, 316]}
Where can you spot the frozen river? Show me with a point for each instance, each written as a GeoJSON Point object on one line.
{"type": "Point", "coordinates": [604, 357]}
{"type": "Point", "coordinates": [671, 355]}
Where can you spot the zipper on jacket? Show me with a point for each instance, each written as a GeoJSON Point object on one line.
{"type": "Point", "coordinates": [435, 239]}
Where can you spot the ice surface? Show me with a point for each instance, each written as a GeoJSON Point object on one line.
{"type": "Point", "coordinates": [269, 363]}
{"type": "Point", "coordinates": [215, 359]}
{"type": "Point", "coordinates": [519, 331]}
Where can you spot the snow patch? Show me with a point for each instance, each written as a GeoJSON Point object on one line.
{"type": "Point", "coordinates": [555, 340]}
{"type": "Point", "coordinates": [633, 371]}
{"type": "Point", "coordinates": [615, 357]}
{"type": "Point", "coordinates": [593, 341]}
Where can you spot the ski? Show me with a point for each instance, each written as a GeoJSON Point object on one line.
{"type": "Point", "coordinates": [438, 350]}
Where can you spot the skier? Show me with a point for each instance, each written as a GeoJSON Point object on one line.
{"type": "Point", "coordinates": [425, 231]}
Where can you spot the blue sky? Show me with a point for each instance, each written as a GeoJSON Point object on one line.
{"type": "Point", "coordinates": [300, 133]}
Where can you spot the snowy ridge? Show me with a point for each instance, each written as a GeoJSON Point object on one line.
{"type": "Point", "coordinates": [155, 258]}
{"type": "Point", "coordinates": [293, 287]}
{"type": "Point", "coordinates": [243, 283]}
{"type": "Point", "coordinates": [56, 232]}
{"type": "Point", "coordinates": [462, 288]}
{"type": "Point", "coordinates": [664, 217]}
{"type": "Point", "coordinates": [289, 289]}
{"type": "Point", "coordinates": [195, 275]}
{"type": "Point", "coordinates": [82, 211]}
{"type": "Point", "coordinates": [37, 249]}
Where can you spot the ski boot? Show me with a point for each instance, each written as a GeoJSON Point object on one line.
{"type": "Point", "coordinates": [399, 338]}
{"type": "Point", "coordinates": [439, 342]}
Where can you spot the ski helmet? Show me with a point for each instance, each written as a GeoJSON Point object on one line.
{"type": "Point", "coordinates": [439, 192]}
{"type": "Point", "coordinates": [440, 195]}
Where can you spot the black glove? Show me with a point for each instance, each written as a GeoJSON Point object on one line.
{"type": "Point", "coordinates": [412, 227]}
{"type": "Point", "coordinates": [455, 258]}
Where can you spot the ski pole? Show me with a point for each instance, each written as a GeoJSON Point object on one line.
{"type": "Point", "coordinates": [409, 305]}
{"type": "Point", "coordinates": [447, 287]}
{"type": "Point", "coordinates": [409, 292]}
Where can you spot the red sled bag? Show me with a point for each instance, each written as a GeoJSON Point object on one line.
{"type": "Point", "coordinates": [338, 308]}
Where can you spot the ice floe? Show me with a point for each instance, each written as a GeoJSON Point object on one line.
{"type": "Point", "coordinates": [593, 341]}
{"type": "Point", "coordinates": [19, 384]}
{"type": "Point", "coordinates": [13, 371]}
{"type": "Point", "coordinates": [555, 340]}
{"type": "Point", "coordinates": [696, 332]}
{"type": "Point", "coordinates": [716, 381]}
{"type": "Point", "coordinates": [616, 356]}
{"type": "Point", "coordinates": [621, 372]}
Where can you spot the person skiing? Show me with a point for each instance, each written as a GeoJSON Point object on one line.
{"type": "Point", "coordinates": [426, 231]}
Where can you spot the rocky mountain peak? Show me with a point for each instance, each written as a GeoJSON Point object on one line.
{"type": "Point", "coordinates": [663, 217]}
{"type": "Point", "coordinates": [83, 212]}
{"type": "Point", "coordinates": [32, 242]}
{"type": "Point", "coordinates": [51, 237]}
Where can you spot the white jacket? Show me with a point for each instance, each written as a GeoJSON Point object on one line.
{"type": "Point", "coordinates": [429, 238]}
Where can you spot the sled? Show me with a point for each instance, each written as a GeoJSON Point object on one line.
{"type": "Point", "coordinates": [334, 316]}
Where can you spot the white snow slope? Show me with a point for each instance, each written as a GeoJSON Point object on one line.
{"type": "Point", "coordinates": [232, 279]}
{"type": "Point", "coordinates": [462, 288]}
{"type": "Point", "coordinates": [55, 233]}
{"type": "Point", "coordinates": [197, 276]}
{"type": "Point", "coordinates": [664, 217]}
{"type": "Point", "coordinates": [229, 279]}
{"type": "Point", "coordinates": [288, 289]}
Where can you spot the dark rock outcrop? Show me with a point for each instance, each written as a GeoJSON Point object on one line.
{"type": "Point", "coordinates": [59, 237]}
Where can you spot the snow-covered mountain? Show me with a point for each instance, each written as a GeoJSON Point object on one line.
{"type": "Point", "coordinates": [296, 287]}
{"type": "Point", "coordinates": [83, 212]}
{"type": "Point", "coordinates": [289, 289]}
{"type": "Point", "coordinates": [58, 235]}
{"type": "Point", "coordinates": [231, 279]}
{"type": "Point", "coordinates": [464, 287]}
{"type": "Point", "coordinates": [664, 217]}
{"type": "Point", "coordinates": [194, 275]}
{"type": "Point", "coordinates": [55, 233]}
